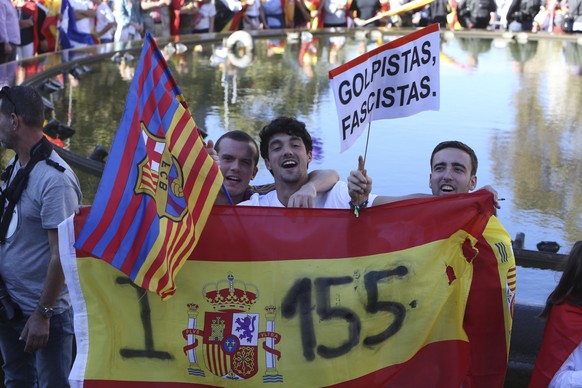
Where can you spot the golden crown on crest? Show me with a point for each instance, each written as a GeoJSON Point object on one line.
{"type": "Point", "coordinates": [231, 295]}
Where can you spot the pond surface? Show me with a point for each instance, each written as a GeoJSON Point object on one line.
{"type": "Point", "coordinates": [519, 105]}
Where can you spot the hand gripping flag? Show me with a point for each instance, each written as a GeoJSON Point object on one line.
{"type": "Point", "coordinates": [158, 186]}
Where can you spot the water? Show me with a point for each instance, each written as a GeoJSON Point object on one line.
{"type": "Point", "coordinates": [517, 105]}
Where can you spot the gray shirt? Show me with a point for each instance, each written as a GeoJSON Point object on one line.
{"type": "Point", "coordinates": [49, 198]}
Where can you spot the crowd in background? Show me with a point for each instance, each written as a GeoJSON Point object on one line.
{"type": "Point", "coordinates": [28, 27]}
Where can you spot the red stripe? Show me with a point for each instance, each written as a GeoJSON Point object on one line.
{"type": "Point", "coordinates": [440, 364]}
{"type": "Point", "coordinates": [160, 257]}
{"type": "Point", "coordinates": [485, 323]}
{"type": "Point", "coordinates": [151, 104]}
{"type": "Point", "coordinates": [182, 151]}
{"type": "Point", "coordinates": [388, 46]}
{"type": "Point", "coordinates": [202, 195]}
{"type": "Point", "coordinates": [164, 104]}
{"type": "Point", "coordinates": [441, 217]}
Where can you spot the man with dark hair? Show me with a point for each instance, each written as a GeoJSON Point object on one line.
{"type": "Point", "coordinates": [453, 168]}
{"type": "Point", "coordinates": [286, 147]}
{"type": "Point", "coordinates": [39, 191]}
{"type": "Point", "coordinates": [453, 171]}
{"type": "Point", "coordinates": [237, 154]}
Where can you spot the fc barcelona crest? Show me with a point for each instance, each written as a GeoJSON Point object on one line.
{"type": "Point", "coordinates": [160, 176]}
{"type": "Point", "coordinates": [230, 334]}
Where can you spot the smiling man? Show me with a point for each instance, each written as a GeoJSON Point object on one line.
{"type": "Point", "coordinates": [488, 315]}
{"type": "Point", "coordinates": [453, 168]}
{"type": "Point", "coordinates": [286, 147]}
{"type": "Point", "coordinates": [237, 154]}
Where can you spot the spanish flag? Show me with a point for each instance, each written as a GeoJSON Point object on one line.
{"type": "Point", "coordinates": [562, 335]}
{"type": "Point", "coordinates": [291, 297]}
{"type": "Point", "coordinates": [158, 186]}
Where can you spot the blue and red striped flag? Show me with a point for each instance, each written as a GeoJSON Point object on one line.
{"type": "Point", "coordinates": [158, 186]}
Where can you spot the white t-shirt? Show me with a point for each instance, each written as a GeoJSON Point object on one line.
{"type": "Point", "coordinates": [254, 9]}
{"type": "Point", "coordinates": [336, 198]}
{"type": "Point", "coordinates": [104, 17]}
{"type": "Point", "coordinates": [206, 11]}
{"type": "Point", "coordinates": [570, 373]}
{"type": "Point", "coordinates": [86, 24]}
{"type": "Point", "coordinates": [335, 11]}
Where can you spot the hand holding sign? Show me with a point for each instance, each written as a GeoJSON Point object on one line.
{"type": "Point", "coordinates": [359, 183]}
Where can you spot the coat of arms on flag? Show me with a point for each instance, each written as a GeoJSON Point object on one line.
{"type": "Point", "coordinates": [231, 333]}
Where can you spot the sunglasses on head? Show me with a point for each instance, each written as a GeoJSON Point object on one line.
{"type": "Point", "coordinates": [5, 92]}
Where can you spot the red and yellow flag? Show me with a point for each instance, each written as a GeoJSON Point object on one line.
{"type": "Point", "coordinates": [292, 297]}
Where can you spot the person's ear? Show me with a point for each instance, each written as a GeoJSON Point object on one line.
{"type": "Point", "coordinates": [473, 183]}
{"type": "Point", "coordinates": [255, 170]}
{"type": "Point", "coordinates": [14, 118]}
{"type": "Point", "coordinates": [267, 164]}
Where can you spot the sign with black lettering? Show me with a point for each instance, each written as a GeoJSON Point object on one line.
{"type": "Point", "coordinates": [397, 79]}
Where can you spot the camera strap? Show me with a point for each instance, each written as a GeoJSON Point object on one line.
{"type": "Point", "coordinates": [11, 195]}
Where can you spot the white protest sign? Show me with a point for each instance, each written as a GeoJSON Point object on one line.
{"type": "Point", "coordinates": [398, 79]}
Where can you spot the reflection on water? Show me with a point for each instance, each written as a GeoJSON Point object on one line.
{"type": "Point", "coordinates": [517, 104]}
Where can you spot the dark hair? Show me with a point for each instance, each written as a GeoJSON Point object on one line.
{"type": "Point", "coordinates": [569, 288]}
{"type": "Point", "coordinates": [26, 103]}
{"type": "Point", "coordinates": [460, 146]}
{"type": "Point", "coordinates": [242, 137]}
{"type": "Point", "coordinates": [286, 125]}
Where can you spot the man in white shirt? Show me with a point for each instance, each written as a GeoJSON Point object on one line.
{"type": "Point", "coordinates": [105, 26]}
{"type": "Point", "coordinates": [237, 154]}
{"type": "Point", "coordinates": [286, 147]}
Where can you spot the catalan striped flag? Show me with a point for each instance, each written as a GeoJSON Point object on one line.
{"type": "Point", "coordinates": [158, 186]}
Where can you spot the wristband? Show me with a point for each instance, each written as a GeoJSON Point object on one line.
{"type": "Point", "coordinates": [357, 208]}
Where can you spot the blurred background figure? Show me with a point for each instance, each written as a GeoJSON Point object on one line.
{"type": "Point", "coordinates": [334, 13]}
{"type": "Point", "coordinates": [362, 10]}
{"type": "Point", "coordinates": [437, 12]}
{"type": "Point", "coordinates": [85, 19]}
{"type": "Point", "coordinates": [28, 18]}
{"type": "Point", "coordinates": [272, 14]}
{"type": "Point", "coordinates": [129, 21]}
{"type": "Point", "coordinates": [104, 22]}
{"type": "Point", "coordinates": [252, 16]}
{"type": "Point", "coordinates": [521, 14]}
{"type": "Point", "coordinates": [204, 17]}
{"type": "Point", "coordinates": [477, 13]}
{"type": "Point", "coordinates": [156, 17]}
{"type": "Point", "coordinates": [9, 31]}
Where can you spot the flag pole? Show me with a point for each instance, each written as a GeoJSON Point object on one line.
{"type": "Point", "coordinates": [367, 141]}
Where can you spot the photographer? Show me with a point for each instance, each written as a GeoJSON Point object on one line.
{"type": "Point", "coordinates": [39, 191]}
{"type": "Point", "coordinates": [521, 14]}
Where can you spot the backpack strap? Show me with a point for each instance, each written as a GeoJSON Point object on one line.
{"type": "Point", "coordinates": [41, 151]}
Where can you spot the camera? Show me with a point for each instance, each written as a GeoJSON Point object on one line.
{"type": "Point", "coordinates": [9, 310]}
